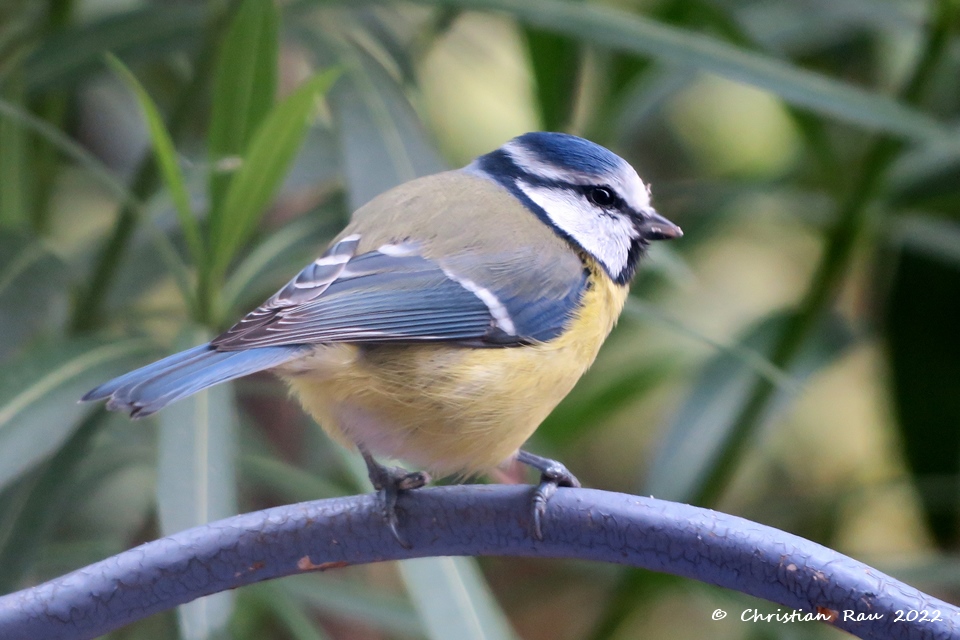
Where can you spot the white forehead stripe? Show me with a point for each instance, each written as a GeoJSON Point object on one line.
{"type": "Point", "coordinates": [499, 312]}
{"type": "Point", "coordinates": [606, 236]}
{"type": "Point", "coordinates": [624, 180]}
{"type": "Point", "coordinates": [532, 163]}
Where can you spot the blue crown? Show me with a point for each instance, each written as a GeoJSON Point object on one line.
{"type": "Point", "coordinates": [570, 152]}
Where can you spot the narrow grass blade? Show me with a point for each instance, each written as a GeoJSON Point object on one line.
{"type": "Point", "coordinates": [922, 317]}
{"type": "Point", "coordinates": [588, 405]}
{"type": "Point", "coordinates": [33, 284]}
{"type": "Point", "coordinates": [556, 63]}
{"type": "Point", "coordinates": [39, 393]}
{"type": "Point", "coordinates": [166, 156]}
{"type": "Point", "coordinates": [291, 483]}
{"type": "Point", "coordinates": [66, 57]}
{"type": "Point", "coordinates": [102, 174]}
{"type": "Point", "coordinates": [454, 600]}
{"type": "Point", "coordinates": [352, 601]}
{"type": "Point", "coordinates": [14, 162]}
{"type": "Point", "coordinates": [450, 594]}
{"type": "Point", "coordinates": [377, 126]}
{"type": "Point", "coordinates": [620, 30]}
{"type": "Point", "coordinates": [272, 149]}
{"type": "Point", "coordinates": [196, 481]}
{"type": "Point", "coordinates": [290, 614]}
{"type": "Point", "coordinates": [45, 504]}
{"type": "Point", "coordinates": [244, 87]}
{"type": "Point", "coordinates": [698, 431]}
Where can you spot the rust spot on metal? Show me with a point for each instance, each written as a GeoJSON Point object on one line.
{"type": "Point", "coordinates": [256, 566]}
{"type": "Point", "coordinates": [831, 615]}
{"type": "Point", "coordinates": [306, 564]}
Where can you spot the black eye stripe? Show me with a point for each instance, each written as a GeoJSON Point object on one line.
{"type": "Point", "coordinates": [602, 197]}
{"type": "Point", "coordinates": [503, 168]}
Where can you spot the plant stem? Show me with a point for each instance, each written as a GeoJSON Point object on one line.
{"type": "Point", "coordinates": [89, 303]}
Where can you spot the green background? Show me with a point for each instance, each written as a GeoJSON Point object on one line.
{"type": "Point", "coordinates": [794, 359]}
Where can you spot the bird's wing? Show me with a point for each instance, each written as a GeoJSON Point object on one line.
{"type": "Point", "coordinates": [395, 294]}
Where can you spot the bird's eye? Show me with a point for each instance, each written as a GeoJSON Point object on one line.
{"type": "Point", "coordinates": [601, 196]}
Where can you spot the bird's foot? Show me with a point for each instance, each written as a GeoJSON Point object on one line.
{"type": "Point", "coordinates": [553, 474]}
{"type": "Point", "coordinates": [389, 482]}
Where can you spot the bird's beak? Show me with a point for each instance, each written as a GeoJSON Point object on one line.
{"type": "Point", "coordinates": [656, 227]}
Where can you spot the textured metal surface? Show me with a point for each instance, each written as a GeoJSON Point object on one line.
{"type": "Point", "coordinates": [472, 520]}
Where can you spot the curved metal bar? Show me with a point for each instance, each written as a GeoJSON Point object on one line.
{"type": "Point", "coordinates": [475, 520]}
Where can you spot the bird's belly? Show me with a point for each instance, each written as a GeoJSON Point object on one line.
{"type": "Point", "coordinates": [449, 409]}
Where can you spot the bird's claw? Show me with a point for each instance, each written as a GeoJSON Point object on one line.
{"type": "Point", "coordinates": [553, 474]}
{"type": "Point", "coordinates": [389, 482]}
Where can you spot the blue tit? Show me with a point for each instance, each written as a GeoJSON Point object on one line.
{"type": "Point", "coordinates": [450, 316]}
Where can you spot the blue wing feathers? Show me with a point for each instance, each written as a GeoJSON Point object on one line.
{"type": "Point", "coordinates": [376, 298]}
{"type": "Point", "coordinates": [156, 385]}
{"type": "Point", "coordinates": [369, 298]}
{"type": "Point", "coordinates": [143, 373]}
{"type": "Point", "coordinates": [543, 318]}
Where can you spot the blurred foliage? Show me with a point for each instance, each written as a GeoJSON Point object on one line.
{"type": "Point", "coordinates": [794, 359]}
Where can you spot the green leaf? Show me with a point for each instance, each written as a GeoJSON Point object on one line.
{"type": "Point", "coordinates": [243, 92]}
{"type": "Point", "coordinates": [68, 55]}
{"type": "Point", "coordinates": [350, 600]}
{"type": "Point", "coordinates": [699, 429]}
{"type": "Point", "coordinates": [39, 391]}
{"type": "Point", "coordinates": [14, 162]}
{"type": "Point", "coordinates": [936, 571]}
{"type": "Point", "coordinates": [296, 621]}
{"type": "Point", "coordinates": [936, 238]}
{"type": "Point", "coordinates": [928, 179]}
{"type": "Point", "coordinates": [166, 157]}
{"type": "Point", "coordinates": [377, 126]}
{"type": "Point", "coordinates": [272, 149]}
{"type": "Point", "coordinates": [620, 30]}
{"type": "Point", "coordinates": [922, 320]}
{"type": "Point", "coordinates": [45, 504]}
{"type": "Point", "coordinates": [66, 145]}
{"type": "Point", "coordinates": [196, 480]}
{"type": "Point", "coordinates": [556, 62]}
{"type": "Point", "coordinates": [450, 594]}
{"type": "Point", "coordinates": [291, 483]}
{"type": "Point", "coordinates": [750, 358]}
{"type": "Point", "coordinates": [33, 286]}
{"type": "Point", "coordinates": [589, 404]}
{"type": "Point", "coordinates": [454, 600]}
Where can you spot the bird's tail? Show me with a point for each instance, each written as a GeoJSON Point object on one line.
{"type": "Point", "coordinates": [151, 388]}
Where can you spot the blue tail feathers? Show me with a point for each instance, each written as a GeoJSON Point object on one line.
{"type": "Point", "coordinates": [151, 388]}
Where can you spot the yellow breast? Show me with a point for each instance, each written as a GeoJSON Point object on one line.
{"type": "Point", "coordinates": [451, 409]}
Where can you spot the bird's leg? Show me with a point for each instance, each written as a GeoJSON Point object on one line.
{"type": "Point", "coordinates": [552, 475]}
{"type": "Point", "coordinates": [389, 482]}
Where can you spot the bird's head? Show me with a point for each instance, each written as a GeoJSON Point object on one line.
{"type": "Point", "coordinates": [589, 195]}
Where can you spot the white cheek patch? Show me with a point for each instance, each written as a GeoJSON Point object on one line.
{"type": "Point", "coordinates": [606, 236]}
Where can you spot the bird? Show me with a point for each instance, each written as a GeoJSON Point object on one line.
{"type": "Point", "coordinates": [448, 319]}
